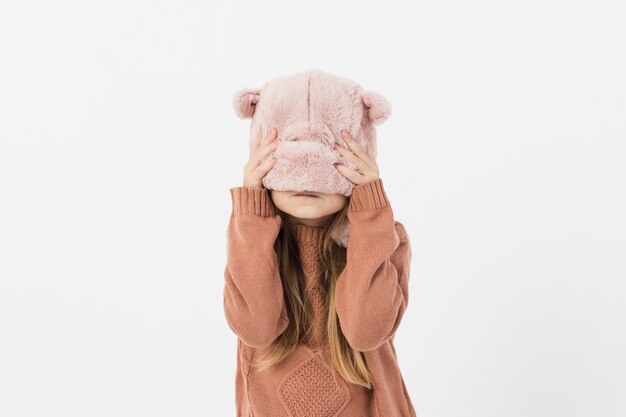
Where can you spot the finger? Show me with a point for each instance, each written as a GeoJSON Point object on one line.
{"type": "Point", "coordinates": [272, 134]}
{"type": "Point", "coordinates": [257, 138]}
{"type": "Point", "coordinates": [370, 150]}
{"type": "Point", "coordinates": [262, 152]}
{"type": "Point", "coordinates": [355, 147]}
{"type": "Point", "coordinates": [271, 141]}
{"type": "Point", "coordinates": [360, 164]}
{"type": "Point", "coordinates": [350, 174]}
{"type": "Point", "coordinates": [265, 167]}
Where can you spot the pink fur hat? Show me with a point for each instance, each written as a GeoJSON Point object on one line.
{"type": "Point", "coordinates": [309, 109]}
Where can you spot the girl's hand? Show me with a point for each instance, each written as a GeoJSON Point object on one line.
{"type": "Point", "coordinates": [253, 173]}
{"type": "Point", "coordinates": [367, 167]}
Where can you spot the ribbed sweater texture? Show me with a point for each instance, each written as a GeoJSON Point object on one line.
{"type": "Point", "coordinates": [371, 296]}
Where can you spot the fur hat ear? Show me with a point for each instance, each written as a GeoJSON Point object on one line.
{"type": "Point", "coordinates": [244, 102]}
{"type": "Point", "coordinates": [379, 109]}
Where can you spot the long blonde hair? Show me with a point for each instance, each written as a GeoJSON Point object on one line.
{"type": "Point", "coordinates": [349, 362]}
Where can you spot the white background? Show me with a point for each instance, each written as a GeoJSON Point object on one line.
{"type": "Point", "coordinates": [504, 158]}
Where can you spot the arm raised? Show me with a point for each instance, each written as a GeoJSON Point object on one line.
{"type": "Point", "coordinates": [253, 294]}
{"type": "Point", "coordinates": [371, 294]}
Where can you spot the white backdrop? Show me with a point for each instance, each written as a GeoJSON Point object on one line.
{"type": "Point", "coordinates": [504, 158]}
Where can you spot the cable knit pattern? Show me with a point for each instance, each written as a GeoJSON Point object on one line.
{"type": "Point", "coordinates": [308, 244]}
{"type": "Point", "coordinates": [371, 298]}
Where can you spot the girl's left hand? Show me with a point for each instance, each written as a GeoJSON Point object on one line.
{"type": "Point", "coordinates": [362, 158]}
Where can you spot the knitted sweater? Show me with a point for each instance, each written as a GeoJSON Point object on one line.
{"type": "Point", "coordinates": [371, 296]}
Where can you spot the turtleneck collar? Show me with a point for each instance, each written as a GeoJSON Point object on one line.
{"type": "Point", "coordinates": [305, 233]}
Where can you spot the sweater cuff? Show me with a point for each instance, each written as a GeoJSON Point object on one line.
{"type": "Point", "coordinates": [369, 196]}
{"type": "Point", "coordinates": [252, 200]}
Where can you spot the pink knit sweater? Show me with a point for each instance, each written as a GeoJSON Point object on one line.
{"type": "Point", "coordinates": [371, 298]}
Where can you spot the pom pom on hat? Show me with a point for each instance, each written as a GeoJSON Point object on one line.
{"type": "Point", "coordinates": [244, 102]}
{"type": "Point", "coordinates": [379, 108]}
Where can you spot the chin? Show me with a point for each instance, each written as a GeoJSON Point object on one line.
{"type": "Point", "coordinates": [307, 214]}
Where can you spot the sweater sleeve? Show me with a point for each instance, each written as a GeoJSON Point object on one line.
{"type": "Point", "coordinates": [371, 293]}
{"type": "Point", "coordinates": [253, 294]}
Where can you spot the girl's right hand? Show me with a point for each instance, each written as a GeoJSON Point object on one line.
{"type": "Point", "coordinates": [253, 172]}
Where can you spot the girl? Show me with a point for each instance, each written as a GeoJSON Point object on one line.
{"type": "Point", "coordinates": [315, 321]}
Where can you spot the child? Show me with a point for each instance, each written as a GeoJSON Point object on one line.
{"type": "Point", "coordinates": [315, 286]}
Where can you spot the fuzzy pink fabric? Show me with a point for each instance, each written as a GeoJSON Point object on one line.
{"type": "Point", "coordinates": [309, 109]}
